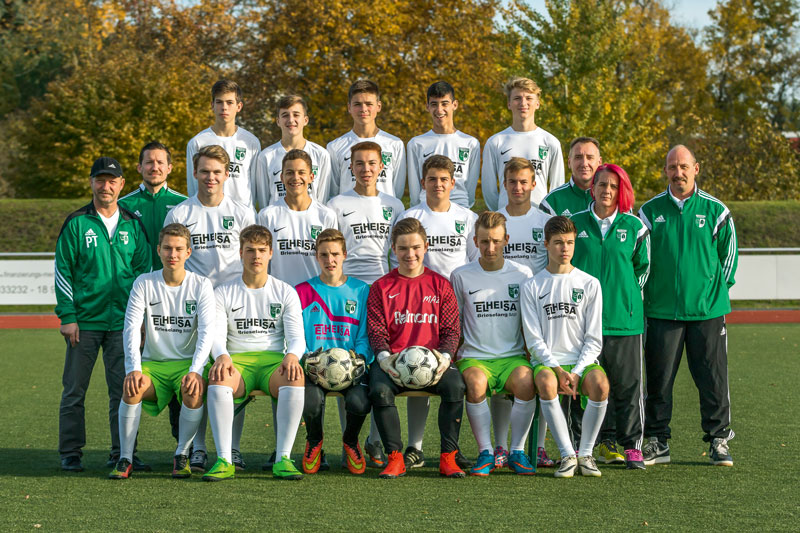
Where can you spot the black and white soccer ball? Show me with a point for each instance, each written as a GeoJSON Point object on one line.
{"type": "Point", "coordinates": [333, 369]}
{"type": "Point", "coordinates": [417, 367]}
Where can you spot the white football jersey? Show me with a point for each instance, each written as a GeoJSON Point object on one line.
{"type": "Point", "coordinates": [562, 318]}
{"type": "Point", "coordinates": [257, 320]}
{"type": "Point", "coordinates": [179, 321]}
{"type": "Point", "coordinates": [268, 185]}
{"type": "Point", "coordinates": [450, 236]}
{"type": "Point", "coordinates": [526, 238]}
{"type": "Point", "coordinates": [243, 148]}
{"type": "Point", "coordinates": [491, 321]}
{"type": "Point", "coordinates": [294, 235]}
{"type": "Point", "coordinates": [391, 181]}
{"type": "Point", "coordinates": [366, 222]}
{"type": "Point", "coordinates": [462, 149]}
{"type": "Point", "coordinates": [215, 236]}
{"type": "Point", "coordinates": [540, 147]}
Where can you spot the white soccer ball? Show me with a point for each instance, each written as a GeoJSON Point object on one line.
{"type": "Point", "coordinates": [417, 367]}
{"type": "Point", "coordinates": [332, 370]}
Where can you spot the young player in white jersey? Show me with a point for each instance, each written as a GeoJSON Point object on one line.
{"type": "Point", "coordinates": [213, 218]}
{"type": "Point", "coordinates": [364, 104]}
{"type": "Point", "coordinates": [292, 117]}
{"type": "Point", "coordinates": [450, 232]}
{"type": "Point", "coordinates": [258, 345]}
{"type": "Point", "coordinates": [562, 310]}
{"type": "Point", "coordinates": [295, 222]}
{"type": "Point", "coordinates": [492, 358]}
{"type": "Point", "coordinates": [444, 139]}
{"type": "Point", "coordinates": [522, 139]}
{"type": "Point", "coordinates": [177, 309]}
{"type": "Point", "coordinates": [366, 216]}
{"type": "Point", "coordinates": [241, 145]}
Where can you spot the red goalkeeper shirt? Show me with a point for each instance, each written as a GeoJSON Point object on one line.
{"type": "Point", "coordinates": [421, 311]}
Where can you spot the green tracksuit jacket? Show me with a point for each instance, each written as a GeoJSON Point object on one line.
{"type": "Point", "coordinates": [694, 257]}
{"type": "Point", "coordinates": [95, 272]}
{"type": "Point", "coordinates": [152, 209]}
{"type": "Point", "coordinates": [567, 200]}
{"type": "Point", "coordinates": [621, 261]}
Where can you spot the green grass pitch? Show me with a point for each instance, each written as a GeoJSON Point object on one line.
{"type": "Point", "coordinates": [759, 493]}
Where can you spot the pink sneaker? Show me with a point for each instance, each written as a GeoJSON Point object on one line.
{"type": "Point", "coordinates": [500, 457]}
{"type": "Point", "coordinates": [542, 461]}
{"type": "Point", "coordinates": [634, 459]}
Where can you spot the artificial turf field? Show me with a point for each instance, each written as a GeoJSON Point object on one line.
{"type": "Point", "coordinates": [759, 493]}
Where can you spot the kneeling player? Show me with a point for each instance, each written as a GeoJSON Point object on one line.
{"type": "Point", "coordinates": [258, 316]}
{"type": "Point", "coordinates": [178, 310]}
{"type": "Point", "coordinates": [335, 316]}
{"type": "Point", "coordinates": [492, 357]}
{"type": "Point", "coordinates": [562, 309]}
{"type": "Point", "coordinates": [413, 305]}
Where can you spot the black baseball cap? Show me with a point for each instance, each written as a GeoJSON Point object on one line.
{"type": "Point", "coordinates": [106, 165]}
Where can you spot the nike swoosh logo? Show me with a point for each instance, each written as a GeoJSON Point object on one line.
{"type": "Point", "coordinates": [234, 310]}
{"type": "Point", "coordinates": [313, 463]}
{"type": "Point", "coordinates": [155, 303]}
{"type": "Point", "coordinates": [190, 225]}
{"type": "Point", "coordinates": [276, 230]}
{"type": "Point", "coordinates": [504, 153]}
{"type": "Point", "coordinates": [473, 292]}
{"type": "Point", "coordinates": [394, 295]}
{"type": "Point", "coordinates": [426, 155]}
{"type": "Point", "coordinates": [544, 295]}
{"type": "Point", "coordinates": [348, 214]}
{"type": "Point", "coordinates": [347, 158]}
{"type": "Point", "coordinates": [276, 172]}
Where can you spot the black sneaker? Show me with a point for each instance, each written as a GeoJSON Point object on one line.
{"type": "Point", "coordinates": [113, 459]}
{"type": "Point", "coordinates": [140, 466]}
{"type": "Point", "coordinates": [719, 454]}
{"type": "Point", "coordinates": [413, 458]}
{"type": "Point", "coordinates": [267, 467]}
{"type": "Point", "coordinates": [323, 462]}
{"type": "Point", "coordinates": [238, 460]}
{"type": "Point", "coordinates": [655, 452]}
{"type": "Point", "coordinates": [180, 467]}
{"type": "Point", "coordinates": [462, 461]}
{"type": "Point", "coordinates": [71, 463]}
{"type": "Point", "coordinates": [198, 460]}
{"type": "Point", "coordinates": [375, 456]}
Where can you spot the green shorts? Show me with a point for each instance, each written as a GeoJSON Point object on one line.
{"type": "Point", "coordinates": [568, 368]}
{"type": "Point", "coordinates": [166, 377]}
{"type": "Point", "coordinates": [497, 370]}
{"type": "Point", "coordinates": [256, 368]}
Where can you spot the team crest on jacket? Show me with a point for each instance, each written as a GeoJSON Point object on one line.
{"type": "Point", "coordinates": [386, 157]}
{"type": "Point", "coordinates": [537, 234]}
{"type": "Point", "coordinates": [543, 152]}
{"type": "Point", "coordinates": [513, 290]}
{"type": "Point", "coordinates": [227, 222]}
{"type": "Point", "coordinates": [123, 236]}
{"type": "Point", "coordinates": [239, 153]}
{"type": "Point", "coordinates": [700, 220]}
{"type": "Point", "coordinates": [315, 231]}
{"type": "Point", "coordinates": [190, 306]}
{"type": "Point", "coordinates": [275, 310]}
{"type": "Point", "coordinates": [350, 306]}
{"type": "Point", "coordinates": [622, 235]}
{"type": "Point", "coordinates": [314, 170]}
{"type": "Point", "coordinates": [577, 295]}
{"type": "Point", "coordinates": [463, 154]}
{"type": "Point", "coordinates": [461, 225]}
{"type": "Point", "coordinates": [387, 213]}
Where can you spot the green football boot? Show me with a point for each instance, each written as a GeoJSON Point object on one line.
{"type": "Point", "coordinates": [221, 471]}
{"type": "Point", "coordinates": [180, 467]}
{"type": "Point", "coordinates": [285, 469]}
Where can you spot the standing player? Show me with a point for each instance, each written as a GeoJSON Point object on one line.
{"type": "Point", "coordinates": [522, 139]}
{"type": "Point", "coordinates": [101, 249]}
{"type": "Point", "coordinates": [296, 220]}
{"type": "Point", "coordinates": [177, 310]}
{"type": "Point", "coordinates": [214, 220]}
{"type": "Point", "coordinates": [575, 195]}
{"type": "Point", "coordinates": [364, 104]}
{"type": "Point", "coordinates": [413, 305]}
{"type": "Point", "coordinates": [614, 246]}
{"type": "Point", "coordinates": [241, 145]}
{"type": "Point", "coordinates": [258, 347]}
{"type": "Point", "coordinates": [335, 316]}
{"type": "Point", "coordinates": [685, 301]}
{"type": "Point", "coordinates": [492, 358]}
{"type": "Point", "coordinates": [292, 117]}
{"type": "Point", "coordinates": [444, 139]}
{"type": "Point", "coordinates": [562, 309]}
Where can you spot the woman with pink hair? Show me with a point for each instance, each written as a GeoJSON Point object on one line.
{"type": "Point", "coordinates": [613, 245]}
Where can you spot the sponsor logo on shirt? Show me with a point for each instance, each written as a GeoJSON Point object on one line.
{"type": "Point", "coordinates": [660, 218]}
{"type": "Point", "coordinates": [377, 229]}
{"type": "Point", "coordinates": [332, 329]}
{"type": "Point", "coordinates": [498, 305]}
{"type": "Point", "coordinates": [504, 152]}
{"type": "Point", "coordinates": [91, 237]}
{"type": "Point", "coordinates": [583, 235]}
{"type": "Point", "coordinates": [527, 248]}
{"type": "Point", "coordinates": [445, 240]}
{"type": "Point", "coordinates": [160, 321]}
{"type": "Point", "coordinates": [264, 324]}
{"type": "Point", "coordinates": [566, 213]}
{"type": "Point", "coordinates": [201, 239]}
{"type": "Point", "coordinates": [407, 317]}
{"type": "Point", "coordinates": [565, 307]}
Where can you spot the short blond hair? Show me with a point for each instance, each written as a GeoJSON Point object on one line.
{"type": "Point", "coordinates": [255, 234]}
{"type": "Point", "coordinates": [515, 164]}
{"type": "Point", "coordinates": [525, 84]}
{"type": "Point", "coordinates": [175, 230]}
{"type": "Point", "coordinates": [331, 235]}
{"type": "Point", "coordinates": [212, 151]}
{"type": "Point", "coordinates": [491, 220]}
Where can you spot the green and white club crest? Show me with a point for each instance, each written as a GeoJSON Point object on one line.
{"type": "Point", "coordinates": [700, 220]}
{"type": "Point", "coordinates": [463, 154]}
{"type": "Point", "coordinates": [622, 235]}
{"type": "Point", "coordinates": [461, 225]}
{"type": "Point", "coordinates": [350, 307]}
{"type": "Point", "coordinates": [577, 295]}
{"type": "Point", "coordinates": [190, 306]}
{"type": "Point", "coordinates": [513, 290]}
{"type": "Point", "coordinates": [543, 151]}
{"type": "Point", "coordinates": [227, 222]}
{"type": "Point", "coordinates": [123, 236]}
{"type": "Point", "coordinates": [386, 157]}
{"type": "Point", "coordinates": [387, 213]}
{"type": "Point", "coordinates": [537, 234]}
{"type": "Point", "coordinates": [315, 231]}
{"type": "Point", "coordinates": [240, 153]}
{"type": "Point", "coordinates": [275, 310]}
{"type": "Point", "coordinates": [314, 170]}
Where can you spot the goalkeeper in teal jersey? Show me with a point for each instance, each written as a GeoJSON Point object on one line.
{"type": "Point", "coordinates": [335, 316]}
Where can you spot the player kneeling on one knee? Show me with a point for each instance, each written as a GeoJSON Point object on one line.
{"type": "Point", "coordinates": [177, 308]}
{"type": "Point", "coordinates": [562, 310]}
{"type": "Point", "coordinates": [492, 356]}
{"type": "Point", "coordinates": [259, 337]}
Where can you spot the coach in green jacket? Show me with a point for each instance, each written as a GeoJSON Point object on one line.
{"type": "Point", "coordinates": [100, 251]}
{"type": "Point", "coordinates": [614, 246]}
{"type": "Point", "coordinates": [693, 264]}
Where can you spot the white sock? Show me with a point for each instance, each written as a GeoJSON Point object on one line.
{"type": "Point", "coordinates": [558, 426]}
{"type": "Point", "coordinates": [238, 429]}
{"type": "Point", "coordinates": [129, 416]}
{"type": "Point", "coordinates": [199, 442]}
{"type": "Point", "coordinates": [542, 433]}
{"type": "Point", "coordinates": [290, 411]}
{"type": "Point", "coordinates": [417, 418]}
{"type": "Point", "coordinates": [342, 413]}
{"type": "Point", "coordinates": [590, 427]}
{"type": "Point", "coordinates": [501, 419]}
{"type": "Point", "coordinates": [374, 434]}
{"type": "Point", "coordinates": [220, 413]}
{"type": "Point", "coordinates": [187, 428]}
{"type": "Point", "coordinates": [480, 419]}
{"type": "Point", "coordinates": [521, 420]}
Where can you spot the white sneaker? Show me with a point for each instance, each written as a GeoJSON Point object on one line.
{"type": "Point", "coordinates": [567, 467]}
{"type": "Point", "coordinates": [588, 466]}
